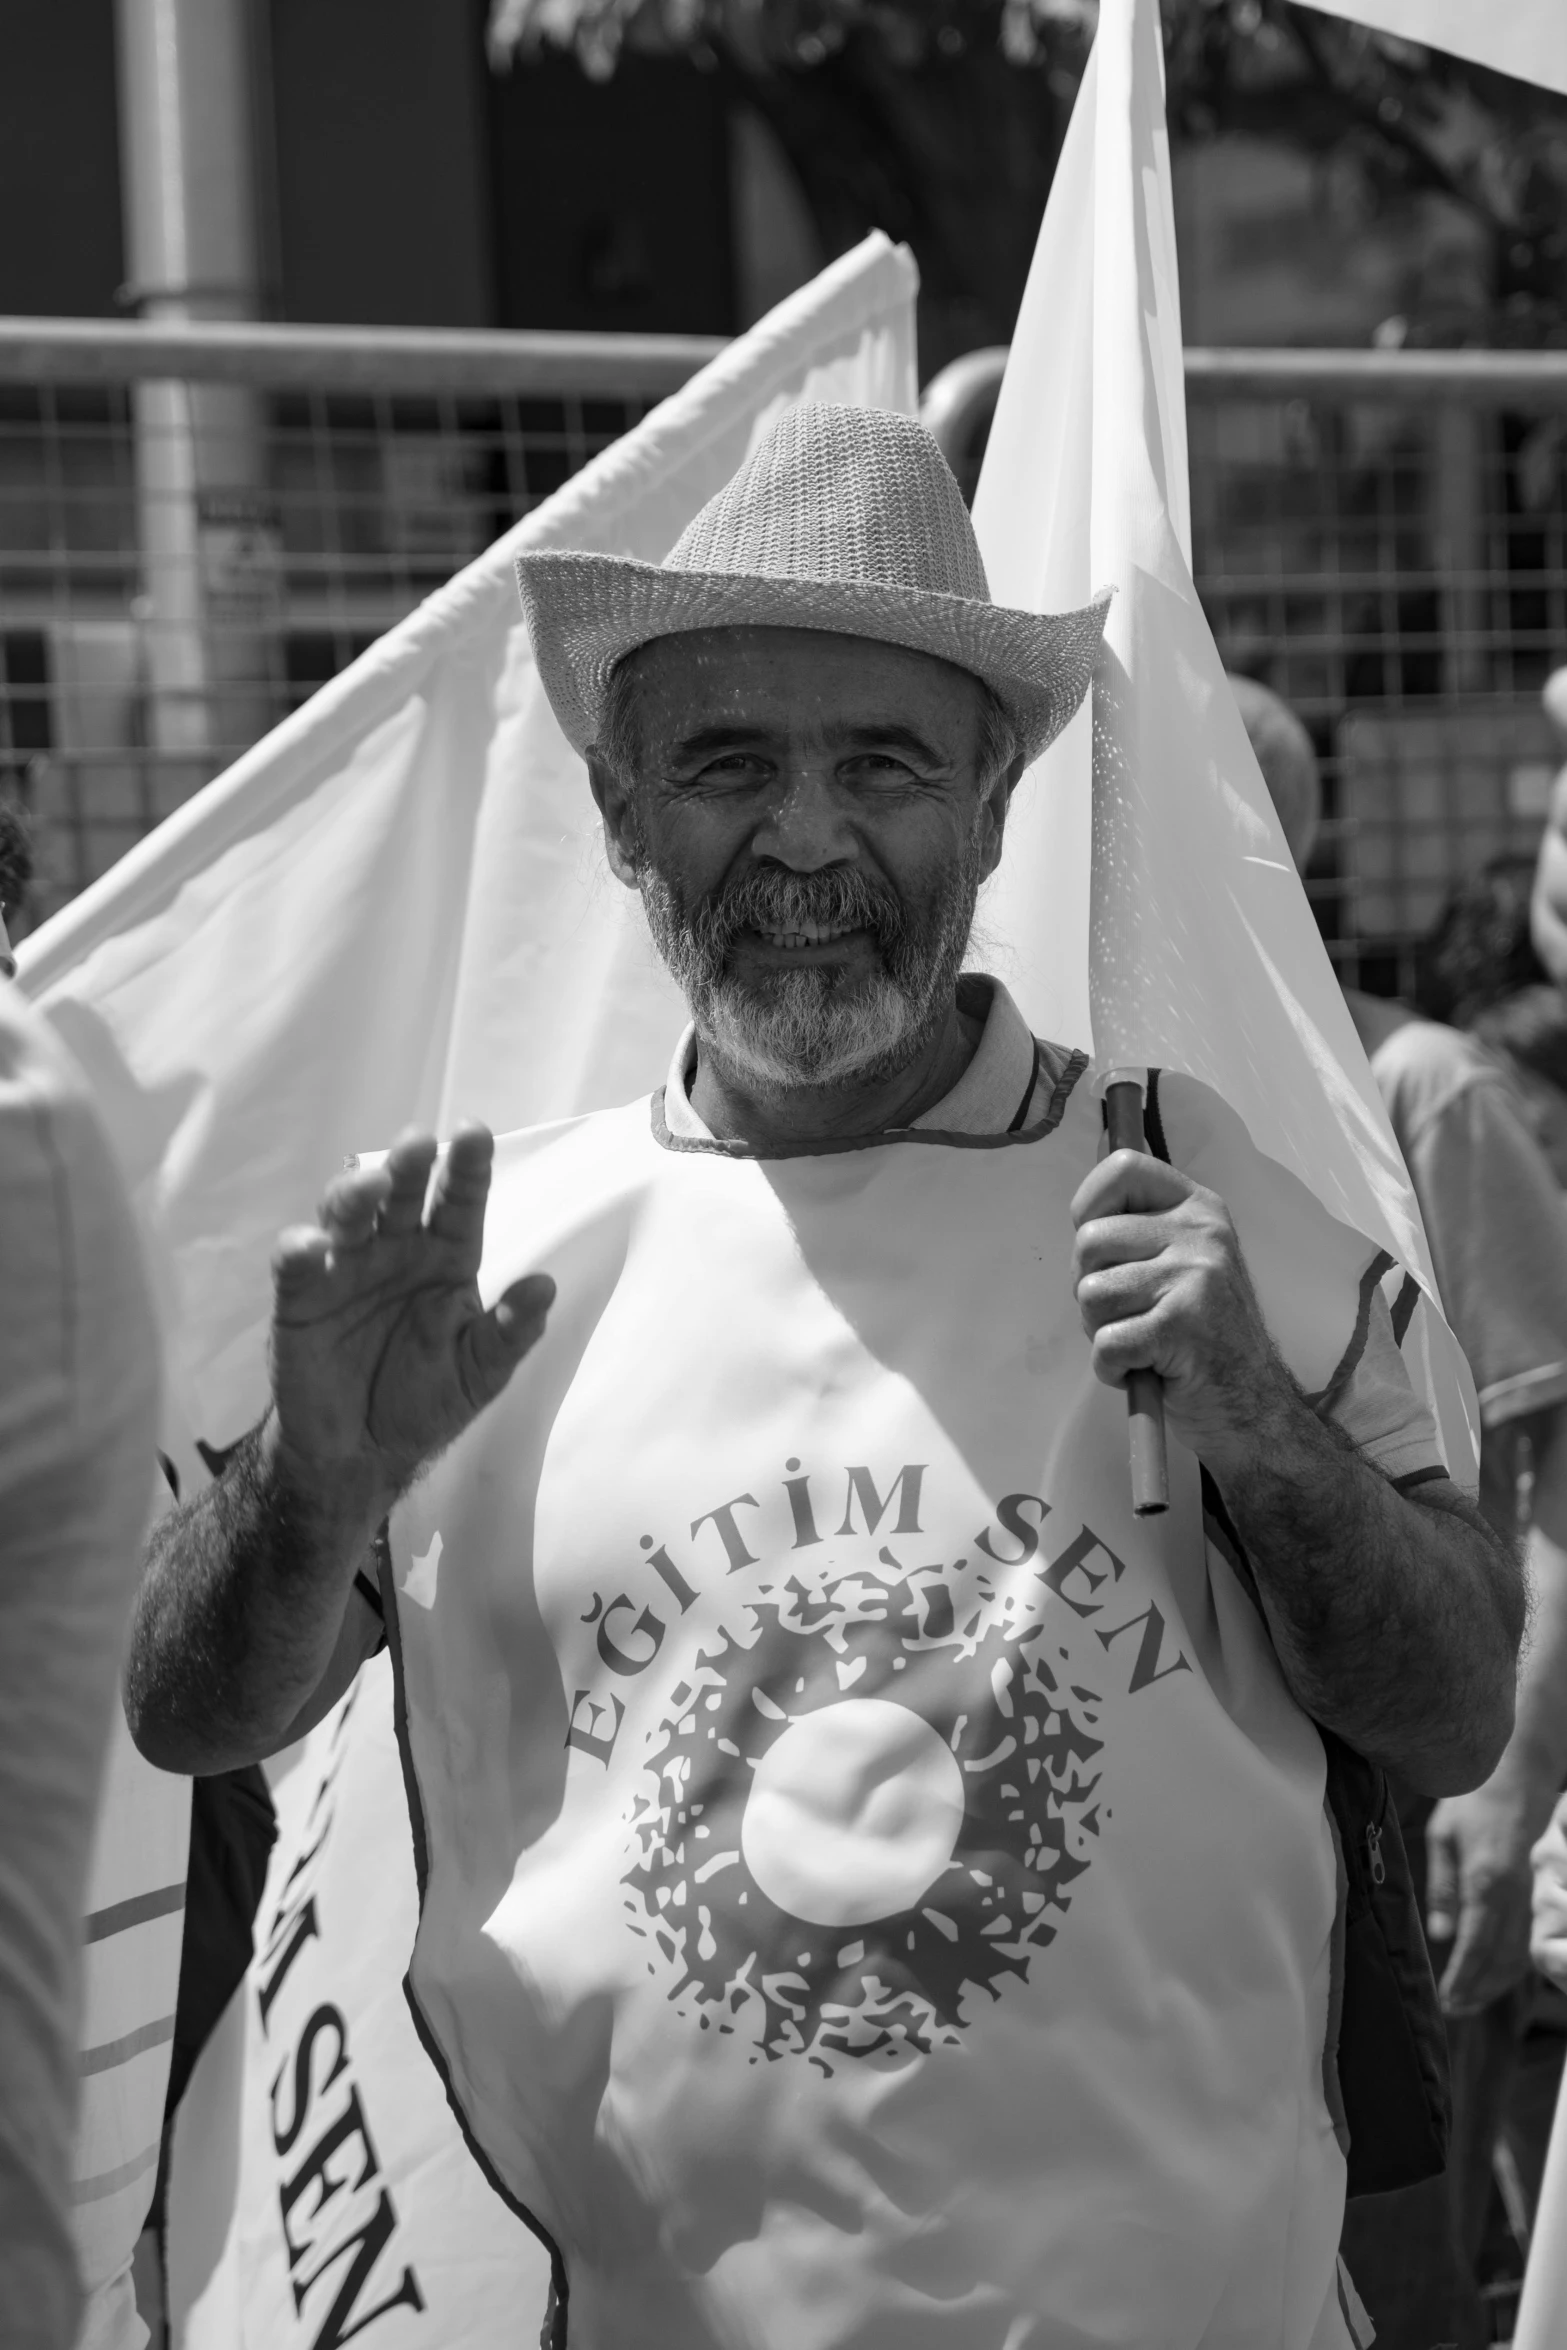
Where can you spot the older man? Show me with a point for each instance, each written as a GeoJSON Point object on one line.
{"type": "Point", "coordinates": [875, 1889]}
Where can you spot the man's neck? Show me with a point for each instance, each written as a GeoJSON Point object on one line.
{"type": "Point", "coordinates": [734, 1109]}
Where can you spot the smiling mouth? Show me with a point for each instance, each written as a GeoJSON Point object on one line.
{"type": "Point", "coordinates": [810, 934]}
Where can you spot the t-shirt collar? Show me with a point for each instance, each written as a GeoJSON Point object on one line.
{"type": "Point", "coordinates": [985, 1100]}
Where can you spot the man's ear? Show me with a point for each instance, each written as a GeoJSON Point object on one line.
{"type": "Point", "coordinates": [998, 801]}
{"type": "Point", "coordinates": [614, 805]}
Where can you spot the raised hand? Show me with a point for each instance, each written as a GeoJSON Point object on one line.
{"type": "Point", "coordinates": [382, 1351]}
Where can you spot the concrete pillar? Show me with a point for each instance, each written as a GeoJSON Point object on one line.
{"type": "Point", "coordinates": [210, 553]}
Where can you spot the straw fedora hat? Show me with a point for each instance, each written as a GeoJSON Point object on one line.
{"type": "Point", "coordinates": [845, 519]}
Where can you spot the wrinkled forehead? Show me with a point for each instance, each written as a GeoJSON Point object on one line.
{"type": "Point", "coordinates": [793, 680]}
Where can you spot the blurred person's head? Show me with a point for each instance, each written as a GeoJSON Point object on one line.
{"type": "Point", "coordinates": [16, 871]}
{"type": "Point", "coordinates": [1479, 948]}
{"type": "Point", "coordinates": [1284, 752]}
{"type": "Point", "coordinates": [1528, 1032]}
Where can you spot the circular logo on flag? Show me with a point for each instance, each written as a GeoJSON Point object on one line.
{"type": "Point", "coordinates": [863, 1813]}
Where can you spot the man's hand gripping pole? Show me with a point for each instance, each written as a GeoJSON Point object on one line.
{"type": "Point", "coordinates": [1123, 1096]}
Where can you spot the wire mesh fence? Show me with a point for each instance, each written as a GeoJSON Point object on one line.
{"type": "Point", "coordinates": [185, 556]}
{"type": "Point", "coordinates": [1382, 538]}
{"type": "Point", "coordinates": [199, 526]}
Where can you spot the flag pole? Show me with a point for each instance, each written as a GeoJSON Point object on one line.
{"type": "Point", "coordinates": [1123, 1097]}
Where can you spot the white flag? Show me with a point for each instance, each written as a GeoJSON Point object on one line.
{"type": "Point", "coordinates": [1147, 895]}
{"type": "Point", "coordinates": [319, 2187]}
{"type": "Point", "coordinates": [393, 909]}
{"type": "Point", "coordinates": [1526, 38]}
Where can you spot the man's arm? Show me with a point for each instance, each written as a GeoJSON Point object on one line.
{"type": "Point", "coordinates": [1548, 907]}
{"type": "Point", "coordinates": [1478, 1845]}
{"type": "Point", "coordinates": [248, 1625]}
{"type": "Point", "coordinates": [246, 1628]}
{"type": "Point", "coordinates": [1548, 1940]}
{"type": "Point", "coordinates": [1494, 1216]}
{"type": "Point", "coordinates": [1396, 1617]}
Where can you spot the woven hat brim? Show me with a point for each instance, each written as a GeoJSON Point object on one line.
{"type": "Point", "coordinates": [587, 612]}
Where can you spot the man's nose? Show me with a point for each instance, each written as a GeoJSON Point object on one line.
{"type": "Point", "coordinates": [805, 827]}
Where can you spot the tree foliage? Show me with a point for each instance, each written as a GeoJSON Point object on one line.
{"type": "Point", "coordinates": [1398, 120]}
{"type": "Point", "coordinates": [941, 120]}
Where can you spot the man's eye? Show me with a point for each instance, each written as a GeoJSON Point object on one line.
{"type": "Point", "coordinates": [730, 766]}
{"type": "Point", "coordinates": [878, 767]}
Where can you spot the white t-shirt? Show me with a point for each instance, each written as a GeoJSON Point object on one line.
{"type": "Point", "coordinates": [79, 1382]}
{"type": "Point", "coordinates": [875, 1891]}
{"type": "Point", "coordinates": [1493, 1214]}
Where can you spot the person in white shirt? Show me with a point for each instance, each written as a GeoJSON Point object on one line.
{"type": "Point", "coordinates": [1497, 1226]}
{"type": "Point", "coordinates": [79, 1382]}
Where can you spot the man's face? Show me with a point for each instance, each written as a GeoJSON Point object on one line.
{"type": "Point", "coordinates": [809, 825]}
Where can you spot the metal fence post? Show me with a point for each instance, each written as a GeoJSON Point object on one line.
{"type": "Point", "coordinates": [209, 538]}
{"type": "Point", "coordinates": [1458, 504]}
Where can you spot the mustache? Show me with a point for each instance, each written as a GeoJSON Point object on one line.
{"type": "Point", "coordinates": [839, 897]}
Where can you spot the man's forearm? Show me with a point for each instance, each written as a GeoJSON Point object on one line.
{"type": "Point", "coordinates": [1396, 1619]}
{"type": "Point", "coordinates": [1537, 1750]}
{"type": "Point", "coordinates": [1478, 1845]}
{"type": "Point", "coordinates": [241, 1609]}
{"type": "Point", "coordinates": [1536, 1756]}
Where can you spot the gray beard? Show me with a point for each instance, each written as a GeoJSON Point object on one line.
{"type": "Point", "coordinates": [813, 1027]}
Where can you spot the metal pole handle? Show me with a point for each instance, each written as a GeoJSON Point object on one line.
{"type": "Point", "coordinates": [1144, 1389]}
